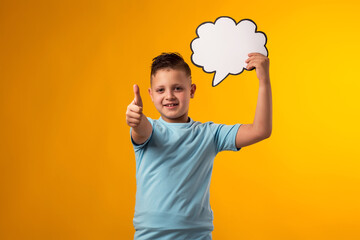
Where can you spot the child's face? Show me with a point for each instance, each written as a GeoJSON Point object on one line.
{"type": "Point", "coordinates": [171, 91]}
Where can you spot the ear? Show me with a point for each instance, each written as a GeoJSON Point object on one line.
{"type": "Point", "coordinates": [192, 90]}
{"type": "Point", "coordinates": [151, 95]}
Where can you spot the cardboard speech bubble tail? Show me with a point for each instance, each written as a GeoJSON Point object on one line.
{"type": "Point", "coordinates": [219, 77]}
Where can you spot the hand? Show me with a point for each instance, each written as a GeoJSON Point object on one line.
{"type": "Point", "coordinates": [261, 63]}
{"type": "Point", "coordinates": [134, 110]}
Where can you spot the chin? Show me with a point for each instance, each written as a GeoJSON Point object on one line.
{"type": "Point", "coordinates": [177, 116]}
{"type": "Point", "coordinates": [173, 117]}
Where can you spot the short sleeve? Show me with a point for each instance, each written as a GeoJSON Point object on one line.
{"type": "Point", "coordinates": [225, 137]}
{"type": "Point", "coordinates": [139, 146]}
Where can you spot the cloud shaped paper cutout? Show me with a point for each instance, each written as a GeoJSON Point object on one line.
{"type": "Point", "coordinates": [223, 46]}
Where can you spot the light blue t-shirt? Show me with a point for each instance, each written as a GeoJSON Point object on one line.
{"type": "Point", "coordinates": [173, 172]}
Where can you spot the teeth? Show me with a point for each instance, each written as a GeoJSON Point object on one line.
{"type": "Point", "coordinates": [170, 105]}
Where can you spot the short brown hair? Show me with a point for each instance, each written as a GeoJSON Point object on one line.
{"type": "Point", "coordinates": [171, 60]}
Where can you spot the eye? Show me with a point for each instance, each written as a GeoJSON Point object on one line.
{"type": "Point", "coordinates": [159, 90]}
{"type": "Point", "coordinates": [178, 89]}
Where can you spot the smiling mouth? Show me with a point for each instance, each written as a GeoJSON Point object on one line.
{"type": "Point", "coordinates": [171, 105]}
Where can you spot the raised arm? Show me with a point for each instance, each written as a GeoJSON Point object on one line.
{"type": "Point", "coordinates": [261, 128]}
{"type": "Point", "coordinates": [141, 127]}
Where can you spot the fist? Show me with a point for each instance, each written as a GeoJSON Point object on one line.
{"type": "Point", "coordinates": [261, 63]}
{"type": "Point", "coordinates": [134, 110]}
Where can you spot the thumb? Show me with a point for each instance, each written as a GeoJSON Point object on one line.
{"type": "Point", "coordinates": [137, 99]}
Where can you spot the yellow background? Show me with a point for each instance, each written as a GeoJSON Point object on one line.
{"type": "Point", "coordinates": [67, 166]}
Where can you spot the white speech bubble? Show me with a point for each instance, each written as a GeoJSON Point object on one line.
{"type": "Point", "coordinates": [223, 46]}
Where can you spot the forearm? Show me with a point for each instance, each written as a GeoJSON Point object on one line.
{"type": "Point", "coordinates": [263, 115]}
{"type": "Point", "coordinates": [143, 130]}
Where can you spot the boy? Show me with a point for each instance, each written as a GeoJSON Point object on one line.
{"type": "Point", "coordinates": [174, 154]}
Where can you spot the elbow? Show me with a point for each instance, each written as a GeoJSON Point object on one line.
{"type": "Point", "coordinates": [266, 134]}
{"type": "Point", "coordinates": [263, 133]}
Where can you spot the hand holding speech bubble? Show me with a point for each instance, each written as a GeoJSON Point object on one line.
{"type": "Point", "coordinates": [223, 46]}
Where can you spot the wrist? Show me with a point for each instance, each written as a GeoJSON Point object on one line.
{"type": "Point", "coordinates": [265, 80]}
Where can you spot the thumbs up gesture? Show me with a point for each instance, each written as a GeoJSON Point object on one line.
{"type": "Point", "coordinates": [134, 110]}
{"type": "Point", "coordinates": [137, 99]}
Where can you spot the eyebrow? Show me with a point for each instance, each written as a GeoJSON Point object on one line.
{"type": "Point", "coordinates": [176, 84]}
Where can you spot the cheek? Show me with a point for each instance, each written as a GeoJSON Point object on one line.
{"type": "Point", "coordinates": [184, 97]}
{"type": "Point", "coordinates": [157, 99]}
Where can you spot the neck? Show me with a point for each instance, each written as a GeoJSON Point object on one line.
{"type": "Point", "coordinates": [183, 119]}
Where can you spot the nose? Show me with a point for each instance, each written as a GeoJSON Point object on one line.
{"type": "Point", "coordinates": [170, 95]}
